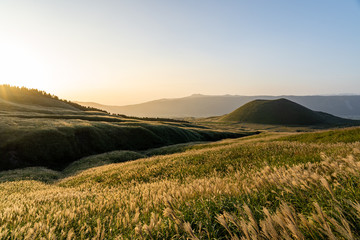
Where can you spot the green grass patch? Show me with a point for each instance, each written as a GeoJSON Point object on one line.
{"type": "Point", "coordinates": [348, 135]}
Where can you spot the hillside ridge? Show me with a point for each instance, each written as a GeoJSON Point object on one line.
{"type": "Point", "coordinates": [11, 95]}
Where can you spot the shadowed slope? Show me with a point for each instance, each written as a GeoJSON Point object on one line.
{"type": "Point", "coordinates": [55, 143]}
{"type": "Point", "coordinates": [281, 112]}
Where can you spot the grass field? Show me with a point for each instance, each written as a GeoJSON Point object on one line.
{"type": "Point", "coordinates": [268, 186]}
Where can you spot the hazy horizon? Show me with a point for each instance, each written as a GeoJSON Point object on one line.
{"type": "Point", "coordinates": [220, 95]}
{"type": "Point", "coordinates": [126, 52]}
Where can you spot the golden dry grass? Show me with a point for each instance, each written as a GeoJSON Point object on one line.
{"type": "Point", "coordinates": [252, 188]}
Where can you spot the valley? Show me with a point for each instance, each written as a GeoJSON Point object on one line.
{"type": "Point", "coordinates": [179, 120]}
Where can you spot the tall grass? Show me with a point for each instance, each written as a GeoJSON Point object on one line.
{"type": "Point", "coordinates": [251, 188]}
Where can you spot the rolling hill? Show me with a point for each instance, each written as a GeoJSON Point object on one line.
{"type": "Point", "coordinates": [105, 182]}
{"type": "Point", "coordinates": [38, 129]}
{"type": "Point", "coordinates": [198, 105]}
{"type": "Point", "coordinates": [281, 112]}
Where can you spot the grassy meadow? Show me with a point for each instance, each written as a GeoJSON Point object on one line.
{"type": "Point", "coordinates": [267, 186]}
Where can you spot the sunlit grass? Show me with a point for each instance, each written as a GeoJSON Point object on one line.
{"type": "Point", "coordinates": [251, 188]}
{"type": "Point", "coordinates": [347, 135]}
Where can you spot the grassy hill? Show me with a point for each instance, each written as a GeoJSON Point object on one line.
{"type": "Point", "coordinates": [281, 112]}
{"type": "Point", "coordinates": [259, 187]}
{"type": "Point", "coordinates": [38, 129]}
{"type": "Point", "coordinates": [12, 97]}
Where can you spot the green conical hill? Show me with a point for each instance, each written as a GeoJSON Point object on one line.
{"type": "Point", "coordinates": [280, 112]}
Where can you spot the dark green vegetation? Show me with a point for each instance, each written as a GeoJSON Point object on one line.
{"type": "Point", "coordinates": [37, 129]}
{"type": "Point", "coordinates": [282, 112]}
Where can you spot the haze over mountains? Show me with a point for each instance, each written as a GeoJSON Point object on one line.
{"type": "Point", "coordinates": [198, 105]}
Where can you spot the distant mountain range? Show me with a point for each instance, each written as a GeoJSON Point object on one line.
{"type": "Point", "coordinates": [198, 105]}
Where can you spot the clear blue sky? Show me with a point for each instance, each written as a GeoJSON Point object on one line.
{"type": "Point", "coordinates": [122, 52]}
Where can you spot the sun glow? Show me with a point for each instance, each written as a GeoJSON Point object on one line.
{"type": "Point", "coordinates": [23, 66]}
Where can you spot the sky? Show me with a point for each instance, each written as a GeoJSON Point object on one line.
{"type": "Point", "coordinates": [125, 52]}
